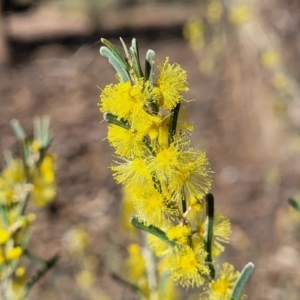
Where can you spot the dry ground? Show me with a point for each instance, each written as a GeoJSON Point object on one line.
{"type": "Point", "coordinates": [249, 147]}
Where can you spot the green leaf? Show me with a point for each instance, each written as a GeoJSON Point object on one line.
{"type": "Point", "coordinates": [115, 51]}
{"type": "Point", "coordinates": [18, 129]}
{"type": "Point", "coordinates": [241, 281]}
{"type": "Point", "coordinates": [173, 122]}
{"type": "Point", "coordinates": [40, 273]}
{"type": "Point", "coordinates": [294, 204]}
{"type": "Point", "coordinates": [135, 59]}
{"type": "Point", "coordinates": [119, 66]}
{"type": "Point", "coordinates": [41, 131]}
{"type": "Point", "coordinates": [149, 66]}
{"type": "Point", "coordinates": [209, 232]}
{"type": "Point", "coordinates": [153, 230]}
{"type": "Point", "coordinates": [112, 119]}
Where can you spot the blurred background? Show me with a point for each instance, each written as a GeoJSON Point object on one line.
{"type": "Point", "coordinates": [243, 72]}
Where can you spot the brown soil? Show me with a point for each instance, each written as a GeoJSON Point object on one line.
{"type": "Point", "coordinates": [60, 76]}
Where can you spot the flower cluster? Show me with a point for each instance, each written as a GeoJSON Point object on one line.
{"type": "Point", "coordinates": [164, 177]}
{"type": "Point", "coordinates": [22, 180]}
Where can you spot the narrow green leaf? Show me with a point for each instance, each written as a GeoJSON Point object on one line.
{"type": "Point", "coordinates": [173, 122]}
{"type": "Point", "coordinates": [34, 257]}
{"type": "Point", "coordinates": [153, 230]}
{"type": "Point", "coordinates": [112, 119]}
{"type": "Point", "coordinates": [209, 232]}
{"type": "Point", "coordinates": [241, 281]}
{"type": "Point", "coordinates": [135, 59]}
{"type": "Point", "coordinates": [4, 215]}
{"type": "Point", "coordinates": [18, 129]}
{"type": "Point", "coordinates": [294, 204]}
{"type": "Point", "coordinates": [133, 287]}
{"type": "Point", "coordinates": [127, 53]}
{"type": "Point", "coordinates": [8, 156]}
{"type": "Point", "coordinates": [46, 136]}
{"type": "Point", "coordinates": [116, 63]}
{"type": "Point", "coordinates": [40, 273]}
{"type": "Point", "coordinates": [115, 51]}
{"type": "Point", "coordinates": [149, 66]}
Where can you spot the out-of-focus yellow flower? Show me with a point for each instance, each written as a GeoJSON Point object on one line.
{"type": "Point", "coordinates": [296, 143]}
{"type": "Point", "coordinates": [193, 30]}
{"type": "Point", "coordinates": [127, 212]}
{"type": "Point", "coordinates": [207, 66]}
{"type": "Point", "coordinates": [12, 181]}
{"type": "Point", "coordinates": [14, 172]}
{"type": "Point", "coordinates": [35, 145]}
{"type": "Point", "coordinates": [44, 190]}
{"type": "Point", "coordinates": [14, 253]}
{"type": "Point", "coordinates": [280, 81]}
{"type": "Point", "coordinates": [157, 245]}
{"type": "Point", "coordinates": [279, 107]}
{"type": "Point", "coordinates": [240, 14]}
{"type": "Point", "coordinates": [85, 279]}
{"type": "Point", "coordinates": [273, 176]}
{"type": "Point", "coordinates": [4, 236]}
{"type": "Point", "coordinates": [214, 11]}
{"type": "Point", "coordinates": [136, 268]}
{"type": "Point", "coordinates": [2, 258]}
{"type": "Point", "coordinates": [77, 240]}
{"type": "Point", "coordinates": [19, 282]}
{"type": "Point", "coordinates": [168, 290]}
{"type": "Point", "coordinates": [270, 58]}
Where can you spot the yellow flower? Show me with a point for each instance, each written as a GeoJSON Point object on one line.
{"type": "Point", "coordinates": [126, 142]}
{"type": "Point", "coordinates": [179, 233]}
{"type": "Point", "coordinates": [152, 207]}
{"type": "Point", "coordinates": [221, 288]}
{"type": "Point", "coordinates": [170, 84]}
{"type": "Point", "coordinates": [4, 236]}
{"type": "Point", "coordinates": [187, 266]}
{"type": "Point", "coordinates": [14, 253]}
{"type": "Point", "coordinates": [221, 233]}
{"type": "Point", "coordinates": [193, 176]}
{"type": "Point", "coordinates": [124, 100]}
{"type": "Point", "coordinates": [134, 173]}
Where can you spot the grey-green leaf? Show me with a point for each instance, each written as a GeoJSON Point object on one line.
{"type": "Point", "coordinates": [241, 281]}
{"type": "Point", "coordinates": [115, 51]}
{"type": "Point", "coordinates": [149, 65]}
{"type": "Point", "coordinates": [116, 63]}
